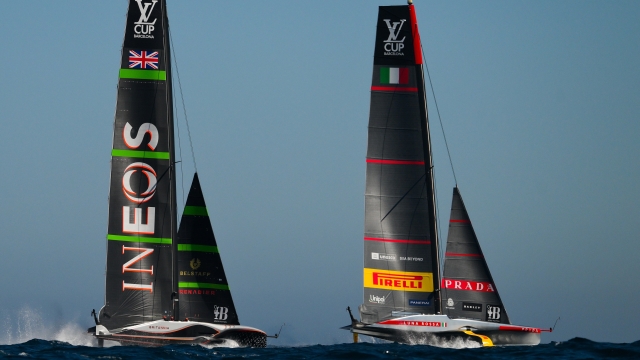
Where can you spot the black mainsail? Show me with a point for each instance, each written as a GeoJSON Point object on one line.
{"type": "Point", "coordinates": [203, 288]}
{"type": "Point", "coordinates": [467, 286]}
{"type": "Point", "coordinates": [161, 288]}
{"type": "Point", "coordinates": [401, 265]}
{"type": "Point", "coordinates": [142, 218]}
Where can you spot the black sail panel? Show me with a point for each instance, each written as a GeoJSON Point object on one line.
{"type": "Point", "coordinates": [203, 288]}
{"type": "Point", "coordinates": [139, 240]}
{"type": "Point", "coordinates": [400, 264]}
{"type": "Point", "coordinates": [468, 288]}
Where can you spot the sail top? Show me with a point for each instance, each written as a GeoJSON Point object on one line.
{"type": "Point", "coordinates": [397, 37]}
{"type": "Point", "coordinates": [467, 286]}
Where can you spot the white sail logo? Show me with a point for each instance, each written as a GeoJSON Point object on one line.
{"type": "Point", "coordinates": [143, 27]}
{"type": "Point", "coordinates": [134, 142]}
{"type": "Point", "coordinates": [493, 312]}
{"type": "Point", "coordinates": [151, 180]}
{"type": "Point", "coordinates": [393, 46]}
{"type": "Point", "coordinates": [220, 312]}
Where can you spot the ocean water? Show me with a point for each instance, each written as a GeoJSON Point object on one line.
{"type": "Point", "coordinates": [30, 338]}
{"type": "Point", "coordinates": [576, 348]}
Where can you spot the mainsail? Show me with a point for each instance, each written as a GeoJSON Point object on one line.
{"type": "Point", "coordinates": [468, 288]}
{"type": "Point", "coordinates": [203, 288]}
{"type": "Point", "coordinates": [139, 274]}
{"type": "Point", "coordinates": [401, 267]}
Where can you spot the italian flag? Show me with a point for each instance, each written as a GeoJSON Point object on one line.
{"type": "Point", "coordinates": [390, 75]}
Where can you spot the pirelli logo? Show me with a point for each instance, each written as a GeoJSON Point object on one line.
{"type": "Point", "coordinates": [398, 280]}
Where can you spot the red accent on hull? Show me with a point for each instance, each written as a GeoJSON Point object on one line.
{"type": "Point", "coordinates": [460, 221]}
{"type": "Point", "coordinates": [519, 328]}
{"type": "Point", "coordinates": [414, 323]}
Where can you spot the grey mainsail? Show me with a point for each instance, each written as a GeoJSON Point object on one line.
{"type": "Point", "coordinates": [400, 242]}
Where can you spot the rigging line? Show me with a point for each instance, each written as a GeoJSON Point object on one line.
{"type": "Point", "coordinates": [441, 249]}
{"type": "Point", "coordinates": [439, 118]}
{"type": "Point", "coordinates": [175, 111]}
{"type": "Point", "coordinates": [184, 108]}
{"type": "Point", "coordinates": [180, 154]}
{"type": "Point", "coordinates": [403, 196]}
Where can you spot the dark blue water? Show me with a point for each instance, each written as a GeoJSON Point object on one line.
{"type": "Point", "coordinates": [576, 348]}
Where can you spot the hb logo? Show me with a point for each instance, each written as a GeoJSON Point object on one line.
{"type": "Point", "coordinates": [493, 312]}
{"type": "Point", "coordinates": [220, 313]}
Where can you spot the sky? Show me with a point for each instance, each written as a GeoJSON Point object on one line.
{"type": "Point", "coordinates": [538, 101]}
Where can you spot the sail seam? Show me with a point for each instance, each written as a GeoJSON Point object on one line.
{"type": "Point", "coordinates": [140, 154]}
{"type": "Point", "coordinates": [423, 242]}
{"type": "Point", "coordinates": [198, 248]}
{"type": "Point", "coordinates": [150, 240]}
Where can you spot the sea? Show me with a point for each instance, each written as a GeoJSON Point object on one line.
{"type": "Point", "coordinates": [30, 338]}
{"type": "Point", "coordinates": [576, 348]}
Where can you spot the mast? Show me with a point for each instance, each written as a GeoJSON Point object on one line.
{"type": "Point", "coordinates": [428, 160]}
{"type": "Point", "coordinates": [172, 168]}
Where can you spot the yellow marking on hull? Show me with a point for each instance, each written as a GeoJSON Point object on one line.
{"type": "Point", "coordinates": [486, 341]}
{"type": "Point", "coordinates": [355, 338]}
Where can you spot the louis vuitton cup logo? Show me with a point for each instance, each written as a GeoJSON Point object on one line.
{"type": "Point", "coordinates": [143, 27]}
{"type": "Point", "coordinates": [393, 46]}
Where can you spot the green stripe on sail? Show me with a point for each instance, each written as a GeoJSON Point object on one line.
{"type": "Point", "coordinates": [140, 154]}
{"type": "Point", "coordinates": [196, 285]}
{"type": "Point", "coordinates": [150, 240]}
{"type": "Point", "coordinates": [195, 247]}
{"type": "Point", "coordinates": [143, 74]}
{"type": "Point", "coordinates": [195, 210]}
{"type": "Point", "coordinates": [384, 75]}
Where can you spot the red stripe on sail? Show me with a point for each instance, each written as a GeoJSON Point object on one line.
{"type": "Point", "coordinates": [456, 254]}
{"type": "Point", "coordinates": [423, 242]}
{"type": "Point", "coordinates": [394, 88]}
{"type": "Point", "coordinates": [460, 221]}
{"type": "Point", "coordinates": [395, 162]}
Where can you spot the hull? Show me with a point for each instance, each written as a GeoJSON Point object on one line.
{"type": "Point", "coordinates": [433, 329]}
{"type": "Point", "coordinates": [158, 333]}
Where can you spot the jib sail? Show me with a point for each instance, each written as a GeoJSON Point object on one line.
{"type": "Point", "coordinates": [203, 288]}
{"type": "Point", "coordinates": [139, 279]}
{"type": "Point", "coordinates": [467, 286]}
{"type": "Point", "coordinates": [400, 243]}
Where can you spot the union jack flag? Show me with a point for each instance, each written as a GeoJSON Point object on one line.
{"type": "Point", "coordinates": [143, 59]}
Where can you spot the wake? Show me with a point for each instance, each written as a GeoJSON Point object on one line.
{"type": "Point", "coordinates": [27, 324]}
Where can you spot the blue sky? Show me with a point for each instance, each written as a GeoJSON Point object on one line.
{"type": "Point", "coordinates": [539, 101]}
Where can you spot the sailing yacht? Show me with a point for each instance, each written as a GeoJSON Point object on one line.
{"type": "Point", "coordinates": [164, 285]}
{"type": "Point", "coordinates": [406, 298]}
